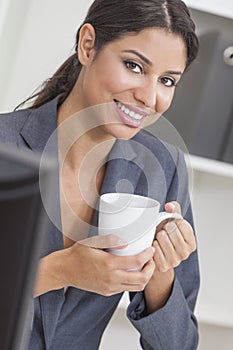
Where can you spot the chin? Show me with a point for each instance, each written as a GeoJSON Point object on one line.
{"type": "Point", "coordinates": [121, 131]}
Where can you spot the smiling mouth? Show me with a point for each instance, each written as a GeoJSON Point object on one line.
{"type": "Point", "coordinates": [129, 112]}
{"type": "Point", "coordinates": [130, 115]}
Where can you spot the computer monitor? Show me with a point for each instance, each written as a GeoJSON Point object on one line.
{"type": "Point", "coordinates": [23, 222]}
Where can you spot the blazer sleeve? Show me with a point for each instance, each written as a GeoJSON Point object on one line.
{"type": "Point", "coordinates": [174, 326]}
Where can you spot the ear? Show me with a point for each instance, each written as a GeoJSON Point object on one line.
{"type": "Point", "coordinates": [86, 44]}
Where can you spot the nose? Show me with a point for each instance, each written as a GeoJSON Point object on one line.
{"type": "Point", "coordinates": [146, 93]}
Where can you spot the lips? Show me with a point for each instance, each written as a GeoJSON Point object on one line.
{"type": "Point", "coordinates": [130, 115]}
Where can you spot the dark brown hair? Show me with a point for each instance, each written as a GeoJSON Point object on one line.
{"type": "Point", "coordinates": [113, 19]}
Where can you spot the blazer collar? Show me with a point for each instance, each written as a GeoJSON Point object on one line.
{"type": "Point", "coordinates": [40, 124]}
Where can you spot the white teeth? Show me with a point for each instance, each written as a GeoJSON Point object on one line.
{"type": "Point", "coordinates": [127, 111]}
{"type": "Point", "coordinates": [132, 114]}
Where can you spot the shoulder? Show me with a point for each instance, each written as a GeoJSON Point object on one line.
{"type": "Point", "coordinates": [31, 126]}
{"type": "Point", "coordinates": [18, 116]}
{"type": "Point", "coordinates": [168, 155]}
{"type": "Point", "coordinates": [11, 125]}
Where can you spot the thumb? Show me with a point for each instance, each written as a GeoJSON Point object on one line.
{"type": "Point", "coordinates": [173, 207]}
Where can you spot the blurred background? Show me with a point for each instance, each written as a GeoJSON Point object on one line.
{"type": "Point", "coordinates": [36, 37]}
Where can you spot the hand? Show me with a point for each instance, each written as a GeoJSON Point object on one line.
{"type": "Point", "coordinates": [174, 241]}
{"type": "Point", "coordinates": [98, 271]}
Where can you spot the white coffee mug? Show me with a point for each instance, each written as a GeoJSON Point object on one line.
{"type": "Point", "coordinates": [133, 218]}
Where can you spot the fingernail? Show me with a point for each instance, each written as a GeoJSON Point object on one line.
{"type": "Point", "coordinates": [173, 206]}
{"type": "Point", "coordinates": [153, 249]}
{"type": "Point", "coordinates": [170, 227]}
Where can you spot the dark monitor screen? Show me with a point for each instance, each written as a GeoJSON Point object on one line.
{"type": "Point", "coordinates": [23, 223]}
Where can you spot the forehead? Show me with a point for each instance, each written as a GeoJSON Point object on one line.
{"type": "Point", "coordinates": [158, 45]}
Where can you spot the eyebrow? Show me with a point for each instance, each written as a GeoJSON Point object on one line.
{"type": "Point", "coordinates": [148, 62]}
{"type": "Point", "coordinates": [143, 58]}
{"type": "Point", "coordinates": [172, 72]}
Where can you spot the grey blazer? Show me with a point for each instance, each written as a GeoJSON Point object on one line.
{"type": "Point", "coordinates": [76, 320]}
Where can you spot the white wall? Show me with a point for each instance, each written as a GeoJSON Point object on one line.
{"type": "Point", "coordinates": [216, 7]}
{"type": "Point", "coordinates": [37, 37]}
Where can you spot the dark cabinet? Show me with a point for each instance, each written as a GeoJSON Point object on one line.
{"type": "Point", "coordinates": [202, 110]}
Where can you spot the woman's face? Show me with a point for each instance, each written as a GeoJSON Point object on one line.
{"type": "Point", "coordinates": [136, 75]}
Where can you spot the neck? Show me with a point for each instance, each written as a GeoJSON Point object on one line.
{"type": "Point", "coordinates": [79, 134]}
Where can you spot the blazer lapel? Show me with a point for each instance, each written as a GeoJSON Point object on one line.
{"type": "Point", "coordinates": [39, 125]}
{"type": "Point", "coordinates": [37, 130]}
{"type": "Point", "coordinates": [123, 171]}
{"type": "Point", "coordinates": [124, 168]}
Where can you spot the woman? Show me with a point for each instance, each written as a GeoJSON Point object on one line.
{"type": "Point", "coordinates": [129, 57]}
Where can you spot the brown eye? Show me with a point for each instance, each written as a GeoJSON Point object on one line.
{"type": "Point", "coordinates": [167, 81]}
{"type": "Point", "coordinates": [134, 67]}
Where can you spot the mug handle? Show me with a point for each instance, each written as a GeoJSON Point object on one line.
{"type": "Point", "coordinates": [164, 216]}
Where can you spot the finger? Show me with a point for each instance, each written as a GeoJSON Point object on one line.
{"type": "Point", "coordinates": [187, 232]}
{"type": "Point", "coordinates": [175, 236]}
{"type": "Point", "coordinates": [162, 224]}
{"type": "Point", "coordinates": [166, 245]}
{"type": "Point", "coordinates": [170, 207]}
{"type": "Point", "coordinates": [173, 207]}
{"type": "Point", "coordinates": [182, 237]}
{"type": "Point", "coordinates": [184, 229]}
{"type": "Point", "coordinates": [135, 261]}
{"type": "Point", "coordinates": [160, 261]}
{"type": "Point", "coordinates": [174, 249]}
{"type": "Point", "coordinates": [134, 278]}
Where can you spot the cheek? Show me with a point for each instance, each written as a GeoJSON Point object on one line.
{"type": "Point", "coordinates": [164, 100]}
{"type": "Point", "coordinates": [117, 82]}
{"type": "Point", "coordinates": [112, 76]}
